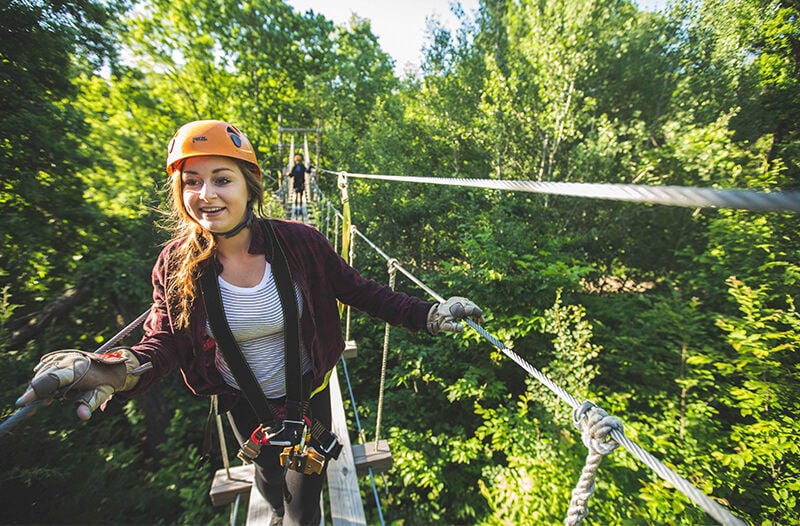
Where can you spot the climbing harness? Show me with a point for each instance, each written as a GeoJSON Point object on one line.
{"type": "Point", "coordinates": [306, 458]}
{"type": "Point", "coordinates": [308, 445]}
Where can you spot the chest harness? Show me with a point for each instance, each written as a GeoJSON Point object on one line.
{"type": "Point", "coordinates": [307, 444]}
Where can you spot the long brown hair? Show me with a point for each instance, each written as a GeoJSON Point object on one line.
{"type": "Point", "coordinates": [199, 245]}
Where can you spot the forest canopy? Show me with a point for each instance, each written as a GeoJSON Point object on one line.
{"type": "Point", "coordinates": [682, 322]}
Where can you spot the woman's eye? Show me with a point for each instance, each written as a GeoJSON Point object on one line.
{"type": "Point", "coordinates": [222, 181]}
{"type": "Point", "coordinates": [190, 182]}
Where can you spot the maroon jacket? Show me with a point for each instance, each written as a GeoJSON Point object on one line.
{"type": "Point", "coordinates": [323, 278]}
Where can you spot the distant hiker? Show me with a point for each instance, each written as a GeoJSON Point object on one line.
{"type": "Point", "coordinates": [299, 172]}
{"type": "Point", "coordinates": [247, 308]}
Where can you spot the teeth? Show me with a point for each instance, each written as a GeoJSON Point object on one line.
{"type": "Point", "coordinates": [210, 210]}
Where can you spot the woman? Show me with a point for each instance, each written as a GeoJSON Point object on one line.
{"type": "Point", "coordinates": [240, 300]}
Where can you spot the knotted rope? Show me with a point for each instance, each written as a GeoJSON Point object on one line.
{"type": "Point", "coordinates": [392, 264]}
{"type": "Point", "coordinates": [595, 426]}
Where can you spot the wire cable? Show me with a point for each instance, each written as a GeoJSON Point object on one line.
{"type": "Point", "coordinates": [686, 196]}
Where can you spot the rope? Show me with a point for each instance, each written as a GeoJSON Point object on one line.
{"type": "Point", "coordinates": [223, 448]}
{"type": "Point", "coordinates": [342, 183]}
{"type": "Point", "coordinates": [351, 260]}
{"type": "Point", "coordinates": [715, 510]}
{"type": "Point", "coordinates": [686, 196]}
{"type": "Point", "coordinates": [595, 426]}
{"type": "Point", "coordinates": [392, 275]}
{"type": "Point", "coordinates": [336, 231]}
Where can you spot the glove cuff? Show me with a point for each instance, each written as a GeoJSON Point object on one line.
{"type": "Point", "coordinates": [433, 319]}
{"type": "Point", "coordinates": [117, 355]}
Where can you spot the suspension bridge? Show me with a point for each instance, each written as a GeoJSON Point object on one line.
{"type": "Point", "coordinates": [601, 433]}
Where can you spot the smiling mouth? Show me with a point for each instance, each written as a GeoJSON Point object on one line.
{"type": "Point", "coordinates": [212, 210]}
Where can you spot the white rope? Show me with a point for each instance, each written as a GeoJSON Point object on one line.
{"type": "Point", "coordinates": [223, 448]}
{"type": "Point", "coordinates": [351, 258]}
{"type": "Point", "coordinates": [686, 196]}
{"type": "Point", "coordinates": [392, 274]}
{"type": "Point", "coordinates": [595, 426]}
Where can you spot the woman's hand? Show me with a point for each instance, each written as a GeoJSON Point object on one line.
{"type": "Point", "coordinates": [445, 316]}
{"type": "Point", "coordinates": [88, 378]}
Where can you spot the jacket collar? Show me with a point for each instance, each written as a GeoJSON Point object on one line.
{"type": "Point", "coordinates": [258, 241]}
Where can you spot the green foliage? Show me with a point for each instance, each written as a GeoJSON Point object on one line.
{"type": "Point", "coordinates": [535, 445]}
{"type": "Point", "coordinates": [760, 381]}
{"type": "Point", "coordinates": [183, 479]}
{"type": "Point", "coordinates": [700, 365]}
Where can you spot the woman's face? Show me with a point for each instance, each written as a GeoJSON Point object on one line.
{"type": "Point", "coordinates": [214, 192]}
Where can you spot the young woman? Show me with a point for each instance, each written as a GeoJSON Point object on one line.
{"type": "Point", "coordinates": [246, 307]}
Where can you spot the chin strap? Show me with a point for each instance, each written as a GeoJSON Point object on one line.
{"type": "Point", "coordinates": [246, 222]}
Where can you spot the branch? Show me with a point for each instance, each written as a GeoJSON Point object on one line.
{"type": "Point", "coordinates": [37, 324]}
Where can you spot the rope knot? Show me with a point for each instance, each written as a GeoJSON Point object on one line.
{"type": "Point", "coordinates": [595, 426]}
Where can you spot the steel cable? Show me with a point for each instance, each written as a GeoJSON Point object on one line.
{"type": "Point", "coordinates": [715, 510]}
{"type": "Point", "coordinates": [686, 196]}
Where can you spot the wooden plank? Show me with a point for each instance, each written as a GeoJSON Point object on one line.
{"type": "Point", "coordinates": [370, 455]}
{"type": "Point", "coordinates": [224, 489]}
{"type": "Point", "coordinates": [259, 512]}
{"type": "Point", "coordinates": [345, 497]}
{"type": "Point", "coordinates": [350, 349]}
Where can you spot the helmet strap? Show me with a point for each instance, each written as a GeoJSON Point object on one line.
{"type": "Point", "coordinates": [246, 222]}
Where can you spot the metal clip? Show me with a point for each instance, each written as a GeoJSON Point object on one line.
{"type": "Point", "coordinates": [306, 461]}
{"type": "Point", "coordinates": [249, 451]}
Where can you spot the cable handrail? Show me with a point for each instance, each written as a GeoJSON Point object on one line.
{"type": "Point", "coordinates": [684, 196]}
{"type": "Point", "coordinates": [721, 514]}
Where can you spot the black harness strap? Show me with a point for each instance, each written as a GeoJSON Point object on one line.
{"type": "Point", "coordinates": [230, 349]}
{"type": "Point", "coordinates": [296, 389]}
{"type": "Point", "coordinates": [295, 400]}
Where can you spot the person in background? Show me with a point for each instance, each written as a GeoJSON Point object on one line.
{"type": "Point", "coordinates": [298, 173]}
{"type": "Point", "coordinates": [246, 307]}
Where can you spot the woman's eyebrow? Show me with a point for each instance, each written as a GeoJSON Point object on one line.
{"type": "Point", "coordinates": [214, 171]}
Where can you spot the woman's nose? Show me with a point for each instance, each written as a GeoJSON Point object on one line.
{"type": "Point", "coordinates": [207, 192]}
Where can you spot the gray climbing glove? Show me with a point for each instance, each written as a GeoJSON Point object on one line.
{"type": "Point", "coordinates": [90, 379]}
{"type": "Point", "coordinates": [445, 316]}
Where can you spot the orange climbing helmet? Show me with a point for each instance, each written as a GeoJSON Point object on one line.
{"type": "Point", "coordinates": [209, 138]}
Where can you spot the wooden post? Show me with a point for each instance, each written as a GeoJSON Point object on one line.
{"type": "Point", "coordinates": [371, 455]}
{"type": "Point", "coordinates": [345, 497]}
{"type": "Point", "coordinates": [350, 349]}
{"type": "Point", "coordinates": [224, 488]}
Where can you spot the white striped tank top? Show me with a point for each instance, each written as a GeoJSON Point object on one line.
{"type": "Point", "coordinates": [256, 320]}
